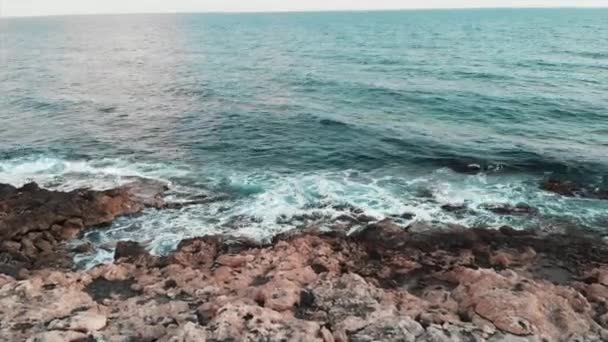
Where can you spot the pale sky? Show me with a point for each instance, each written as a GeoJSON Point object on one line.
{"type": "Point", "coordinates": [54, 7]}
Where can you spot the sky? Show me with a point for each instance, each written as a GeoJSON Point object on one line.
{"type": "Point", "coordinates": [57, 7]}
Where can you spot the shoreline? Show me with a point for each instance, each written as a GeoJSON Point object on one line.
{"type": "Point", "coordinates": [381, 282]}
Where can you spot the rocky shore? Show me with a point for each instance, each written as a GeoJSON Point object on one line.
{"type": "Point", "coordinates": [381, 282]}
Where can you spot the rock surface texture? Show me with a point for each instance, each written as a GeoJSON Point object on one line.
{"type": "Point", "coordinates": [35, 222]}
{"type": "Point", "coordinates": [381, 283]}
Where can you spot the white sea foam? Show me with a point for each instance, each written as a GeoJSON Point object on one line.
{"type": "Point", "coordinates": [62, 174]}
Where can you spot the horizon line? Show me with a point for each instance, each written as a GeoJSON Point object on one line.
{"type": "Point", "coordinates": [284, 11]}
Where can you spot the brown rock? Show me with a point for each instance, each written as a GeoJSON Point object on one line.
{"type": "Point", "coordinates": [83, 248]}
{"type": "Point", "coordinates": [12, 247]}
{"type": "Point", "coordinates": [56, 336]}
{"type": "Point", "coordinates": [129, 251]}
{"type": "Point", "coordinates": [43, 245]}
{"type": "Point", "coordinates": [82, 321]}
{"type": "Point", "coordinates": [37, 218]}
{"type": "Point", "coordinates": [279, 295]}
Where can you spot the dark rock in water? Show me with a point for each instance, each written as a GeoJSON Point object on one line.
{"type": "Point", "coordinates": [385, 232]}
{"type": "Point", "coordinates": [454, 207]}
{"type": "Point", "coordinates": [407, 216]}
{"type": "Point", "coordinates": [347, 207]}
{"type": "Point", "coordinates": [572, 189]}
{"type": "Point", "coordinates": [240, 221]}
{"type": "Point", "coordinates": [366, 218]}
{"type": "Point", "coordinates": [420, 227]}
{"type": "Point", "coordinates": [84, 248]}
{"type": "Point", "coordinates": [564, 188]}
{"type": "Point", "coordinates": [129, 251]}
{"type": "Point", "coordinates": [347, 218]}
{"type": "Point", "coordinates": [509, 231]}
{"type": "Point", "coordinates": [507, 209]}
{"type": "Point", "coordinates": [6, 190]}
{"type": "Point", "coordinates": [466, 168]}
{"type": "Point", "coordinates": [198, 200]}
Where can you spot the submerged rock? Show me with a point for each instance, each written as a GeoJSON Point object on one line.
{"type": "Point", "coordinates": [508, 209]}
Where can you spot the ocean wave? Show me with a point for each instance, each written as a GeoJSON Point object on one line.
{"type": "Point", "coordinates": [67, 174]}
{"type": "Point", "coordinates": [588, 54]}
{"type": "Point", "coordinates": [489, 76]}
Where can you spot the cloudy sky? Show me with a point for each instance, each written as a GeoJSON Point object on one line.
{"type": "Point", "coordinates": [51, 7]}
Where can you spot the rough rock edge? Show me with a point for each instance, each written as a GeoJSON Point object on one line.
{"type": "Point", "coordinates": [35, 222]}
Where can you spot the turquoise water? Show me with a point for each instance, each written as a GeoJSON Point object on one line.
{"type": "Point", "coordinates": [282, 115]}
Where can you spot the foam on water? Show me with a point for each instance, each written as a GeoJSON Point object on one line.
{"type": "Point", "coordinates": [62, 174]}
{"type": "Point", "coordinates": [261, 204]}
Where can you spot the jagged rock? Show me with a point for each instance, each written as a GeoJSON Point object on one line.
{"type": "Point", "coordinates": [36, 220]}
{"type": "Point", "coordinates": [129, 251]}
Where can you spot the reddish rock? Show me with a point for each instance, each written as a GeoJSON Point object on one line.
{"type": "Point", "coordinates": [39, 219]}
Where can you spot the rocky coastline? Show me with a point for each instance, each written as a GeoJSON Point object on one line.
{"type": "Point", "coordinates": [381, 282]}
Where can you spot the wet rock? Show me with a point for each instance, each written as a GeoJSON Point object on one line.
{"type": "Point", "coordinates": [7, 190]}
{"type": "Point", "coordinates": [407, 216]}
{"type": "Point", "coordinates": [420, 227]}
{"type": "Point", "coordinates": [366, 218]}
{"type": "Point", "coordinates": [129, 251]}
{"type": "Point", "coordinates": [347, 218]}
{"type": "Point", "coordinates": [571, 189]}
{"type": "Point", "coordinates": [39, 219]}
{"type": "Point", "coordinates": [83, 248]}
{"type": "Point", "coordinates": [452, 208]}
{"type": "Point", "coordinates": [466, 168]}
{"type": "Point", "coordinates": [385, 232]}
{"type": "Point", "coordinates": [507, 209]}
{"type": "Point", "coordinates": [564, 188]}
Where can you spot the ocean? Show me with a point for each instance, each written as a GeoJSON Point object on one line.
{"type": "Point", "coordinates": [280, 120]}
